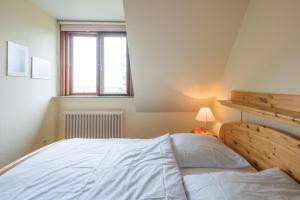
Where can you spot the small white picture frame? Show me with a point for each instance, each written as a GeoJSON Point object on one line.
{"type": "Point", "coordinates": [41, 68]}
{"type": "Point", "coordinates": [17, 59]}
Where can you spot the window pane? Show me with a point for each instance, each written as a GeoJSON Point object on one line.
{"type": "Point", "coordinates": [84, 64]}
{"type": "Point", "coordinates": [115, 72]}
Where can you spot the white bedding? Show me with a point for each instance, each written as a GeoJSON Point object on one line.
{"type": "Point", "coordinates": [195, 150]}
{"type": "Point", "coordinates": [85, 169]}
{"type": "Point", "coordinates": [271, 184]}
{"type": "Point", "coordinates": [189, 171]}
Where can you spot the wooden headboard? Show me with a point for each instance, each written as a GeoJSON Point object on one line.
{"type": "Point", "coordinates": [263, 147]}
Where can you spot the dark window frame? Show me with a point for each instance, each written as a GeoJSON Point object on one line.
{"type": "Point", "coordinates": [99, 66]}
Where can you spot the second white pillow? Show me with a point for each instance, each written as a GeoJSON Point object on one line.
{"type": "Point", "coordinates": [204, 151]}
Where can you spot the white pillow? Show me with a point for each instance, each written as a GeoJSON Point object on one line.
{"type": "Point", "coordinates": [268, 184]}
{"type": "Point", "coordinates": [193, 150]}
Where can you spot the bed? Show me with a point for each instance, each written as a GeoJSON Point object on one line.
{"type": "Point", "coordinates": [153, 169]}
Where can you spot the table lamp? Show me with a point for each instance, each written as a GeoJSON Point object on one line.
{"type": "Point", "coordinates": [205, 115]}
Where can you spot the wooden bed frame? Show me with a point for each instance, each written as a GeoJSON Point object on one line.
{"type": "Point", "coordinates": [263, 147]}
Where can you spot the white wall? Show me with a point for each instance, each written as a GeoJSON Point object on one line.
{"type": "Point", "coordinates": [171, 44]}
{"type": "Point", "coordinates": [26, 113]}
{"type": "Point", "coordinates": [265, 56]}
{"type": "Point", "coordinates": [136, 124]}
{"type": "Point", "coordinates": [178, 50]}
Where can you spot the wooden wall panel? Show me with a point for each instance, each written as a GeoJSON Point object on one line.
{"type": "Point", "coordinates": [278, 103]}
{"type": "Point", "coordinates": [280, 107]}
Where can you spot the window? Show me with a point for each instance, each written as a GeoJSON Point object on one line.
{"type": "Point", "coordinates": [95, 63]}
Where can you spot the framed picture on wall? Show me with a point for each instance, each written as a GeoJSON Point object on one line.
{"type": "Point", "coordinates": [41, 68]}
{"type": "Point", "coordinates": [17, 59]}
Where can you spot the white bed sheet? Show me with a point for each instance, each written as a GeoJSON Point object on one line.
{"type": "Point", "coordinates": [271, 184]}
{"type": "Point", "coordinates": [189, 171]}
{"type": "Point", "coordinates": [86, 169]}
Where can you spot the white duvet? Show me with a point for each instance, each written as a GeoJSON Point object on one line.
{"type": "Point", "coordinates": [85, 169]}
{"type": "Point", "coordinates": [271, 184]}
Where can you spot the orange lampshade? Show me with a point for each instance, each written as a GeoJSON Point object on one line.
{"type": "Point", "coordinates": [205, 115]}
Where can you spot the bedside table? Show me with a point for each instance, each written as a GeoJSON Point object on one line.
{"type": "Point", "coordinates": [200, 131]}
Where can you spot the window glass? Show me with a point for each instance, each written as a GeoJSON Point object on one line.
{"type": "Point", "coordinates": [114, 65]}
{"type": "Point", "coordinates": [84, 64]}
{"type": "Point", "coordinates": [99, 64]}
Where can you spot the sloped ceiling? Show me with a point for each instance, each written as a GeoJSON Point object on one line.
{"type": "Point", "coordinates": [98, 10]}
{"type": "Point", "coordinates": [178, 50]}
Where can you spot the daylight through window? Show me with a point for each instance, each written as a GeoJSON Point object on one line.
{"type": "Point", "coordinates": [98, 64]}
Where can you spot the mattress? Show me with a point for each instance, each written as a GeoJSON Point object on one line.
{"type": "Point", "coordinates": [189, 171]}
{"type": "Point", "coordinates": [89, 169]}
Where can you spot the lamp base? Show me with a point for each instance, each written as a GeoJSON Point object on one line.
{"type": "Point", "coordinates": [200, 130]}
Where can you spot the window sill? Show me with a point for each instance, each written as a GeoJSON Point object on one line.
{"type": "Point", "coordinates": [84, 97]}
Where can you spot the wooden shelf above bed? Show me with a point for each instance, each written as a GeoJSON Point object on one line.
{"type": "Point", "coordinates": [279, 107]}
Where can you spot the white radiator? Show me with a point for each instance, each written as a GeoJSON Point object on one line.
{"type": "Point", "coordinates": [89, 124]}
